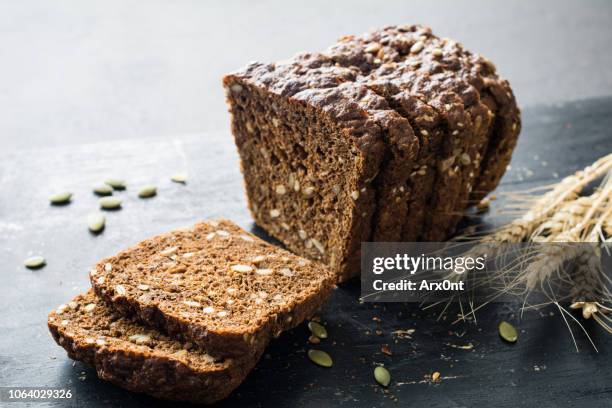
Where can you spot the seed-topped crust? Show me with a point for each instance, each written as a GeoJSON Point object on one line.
{"type": "Point", "coordinates": [141, 359]}
{"type": "Point", "coordinates": [215, 285]}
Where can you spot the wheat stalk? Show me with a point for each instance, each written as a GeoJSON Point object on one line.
{"type": "Point", "coordinates": [565, 192]}
{"type": "Point", "coordinates": [563, 220]}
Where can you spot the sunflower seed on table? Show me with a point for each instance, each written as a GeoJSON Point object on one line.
{"type": "Point", "coordinates": [96, 222]}
{"type": "Point", "coordinates": [179, 178]}
{"type": "Point", "coordinates": [103, 190]}
{"type": "Point", "coordinates": [147, 192]}
{"type": "Point", "coordinates": [508, 332]}
{"type": "Point", "coordinates": [116, 184]}
{"type": "Point", "coordinates": [110, 203]}
{"type": "Point", "coordinates": [317, 329]}
{"type": "Point", "coordinates": [320, 358]}
{"type": "Point", "coordinates": [61, 198]}
{"type": "Point", "coordinates": [314, 339]}
{"type": "Point", "coordinates": [34, 262]}
{"type": "Point", "coordinates": [382, 376]}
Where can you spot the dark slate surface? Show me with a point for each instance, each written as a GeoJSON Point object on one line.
{"type": "Point", "coordinates": [543, 369]}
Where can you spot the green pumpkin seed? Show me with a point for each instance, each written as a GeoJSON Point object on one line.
{"type": "Point", "coordinates": [382, 376]}
{"type": "Point", "coordinates": [179, 178]}
{"type": "Point", "coordinates": [96, 222]}
{"type": "Point", "coordinates": [61, 198]}
{"type": "Point", "coordinates": [116, 184]}
{"type": "Point", "coordinates": [317, 329]}
{"type": "Point", "coordinates": [147, 192]}
{"type": "Point", "coordinates": [34, 262]}
{"type": "Point", "coordinates": [320, 358]}
{"type": "Point", "coordinates": [508, 332]}
{"type": "Point", "coordinates": [103, 190]}
{"type": "Point", "coordinates": [110, 203]}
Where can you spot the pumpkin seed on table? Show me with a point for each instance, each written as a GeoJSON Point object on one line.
{"type": "Point", "coordinates": [508, 332]}
{"type": "Point", "coordinates": [96, 222]}
{"type": "Point", "coordinates": [317, 329]}
{"type": "Point", "coordinates": [320, 358]}
{"type": "Point", "coordinates": [103, 190]}
{"type": "Point", "coordinates": [147, 192]}
{"type": "Point", "coordinates": [116, 184]}
{"type": "Point", "coordinates": [179, 178]}
{"type": "Point", "coordinates": [382, 376]}
{"type": "Point", "coordinates": [110, 203]}
{"type": "Point", "coordinates": [60, 198]}
{"type": "Point", "coordinates": [34, 262]}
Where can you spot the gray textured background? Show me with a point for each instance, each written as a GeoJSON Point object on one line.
{"type": "Point", "coordinates": [84, 71]}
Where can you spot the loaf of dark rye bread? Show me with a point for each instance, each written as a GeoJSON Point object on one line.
{"type": "Point", "coordinates": [214, 285]}
{"type": "Point", "coordinates": [385, 137]}
{"type": "Point", "coordinates": [141, 359]}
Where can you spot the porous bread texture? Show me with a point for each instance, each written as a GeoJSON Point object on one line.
{"type": "Point", "coordinates": [215, 285]}
{"type": "Point", "coordinates": [141, 359]}
{"type": "Point", "coordinates": [393, 134]}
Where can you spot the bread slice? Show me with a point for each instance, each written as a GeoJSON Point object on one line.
{"type": "Point", "coordinates": [215, 285]}
{"type": "Point", "coordinates": [387, 136]}
{"type": "Point", "coordinates": [141, 359]}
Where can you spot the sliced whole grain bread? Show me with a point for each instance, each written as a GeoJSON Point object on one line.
{"type": "Point", "coordinates": [388, 136]}
{"type": "Point", "coordinates": [142, 359]}
{"type": "Point", "coordinates": [215, 285]}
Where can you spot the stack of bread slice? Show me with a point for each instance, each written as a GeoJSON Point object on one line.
{"type": "Point", "coordinates": [186, 315]}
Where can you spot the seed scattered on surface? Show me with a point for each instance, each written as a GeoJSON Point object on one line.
{"type": "Point", "coordinates": [435, 376]}
{"type": "Point", "coordinates": [274, 213]}
{"type": "Point", "coordinates": [280, 189]}
{"type": "Point", "coordinates": [96, 222]}
{"type": "Point", "coordinates": [60, 198]}
{"type": "Point", "coordinates": [382, 376]}
{"type": "Point", "coordinates": [179, 178]}
{"type": "Point", "coordinates": [110, 203]}
{"type": "Point", "coordinates": [103, 190]}
{"type": "Point", "coordinates": [508, 332]}
{"type": "Point", "coordinates": [320, 358]}
{"type": "Point", "coordinates": [355, 195]}
{"type": "Point", "coordinates": [147, 192]}
{"type": "Point", "coordinates": [120, 290]}
{"type": "Point", "coordinates": [116, 184]}
{"type": "Point", "coordinates": [314, 339]}
{"type": "Point", "coordinates": [317, 329]}
{"type": "Point", "coordinates": [34, 262]}
{"type": "Point", "coordinates": [90, 307]}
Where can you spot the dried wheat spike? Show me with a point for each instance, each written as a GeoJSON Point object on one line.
{"type": "Point", "coordinates": [587, 288]}
{"type": "Point", "coordinates": [569, 215]}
